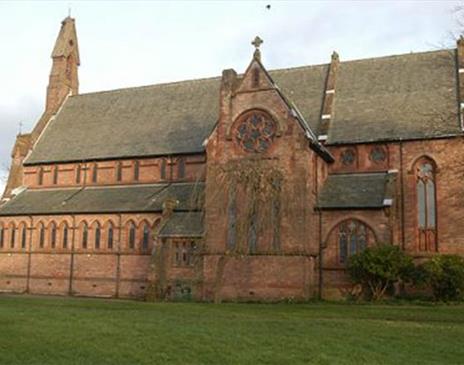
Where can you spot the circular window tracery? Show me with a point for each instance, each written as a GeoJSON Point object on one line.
{"type": "Point", "coordinates": [255, 132]}
{"type": "Point", "coordinates": [378, 154]}
{"type": "Point", "coordinates": [348, 156]}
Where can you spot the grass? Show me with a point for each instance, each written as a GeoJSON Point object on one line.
{"type": "Point", "coordinates": [48, 330]}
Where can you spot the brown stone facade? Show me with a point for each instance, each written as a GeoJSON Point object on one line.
{"type": "Point", "coordinates": [265, 236]}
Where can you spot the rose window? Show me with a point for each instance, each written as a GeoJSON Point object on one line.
{"type": "Point", "coordinates": [255, 132]}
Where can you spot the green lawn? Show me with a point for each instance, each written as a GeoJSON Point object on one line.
{"type": "Point", "coordinates": [47, 330]}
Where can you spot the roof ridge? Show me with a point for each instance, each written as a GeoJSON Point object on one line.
{"type": "Point", "coordinates": [398, 55]}
{"type": "Point", "coordinates": [149, 86]}
{"type": "Point", "coordinates": [295, 68]}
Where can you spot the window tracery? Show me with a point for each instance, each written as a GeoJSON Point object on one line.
{"type": "Point", "coordinates": [353, 237]}
{"type": "Point", "coordinates": [378, 154]}
{"type": "Point", "coordinates": [348, 157]}
{"type": "Point", "coordinates": [426, 205]}
{"type": "Point", "coordinates": [255, 132]}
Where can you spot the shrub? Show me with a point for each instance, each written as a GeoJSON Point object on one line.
{"type": "Point", "coordinates": [378, 268]}
{"type": "Point", "coordinates": [445, 275]}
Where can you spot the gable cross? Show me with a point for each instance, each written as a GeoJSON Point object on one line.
{"type": "Point", "coordinates": [257, 43]}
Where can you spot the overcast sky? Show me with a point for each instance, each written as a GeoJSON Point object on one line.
{"type": "Point", "coordinates": [125, 44]}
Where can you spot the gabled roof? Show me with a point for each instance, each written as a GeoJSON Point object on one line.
{"type": "Point", "coordinates": [410, 96]}
{"type": "Point", "coordinates": [141, 198]}
{"type": "Point", "coordinates": [357, 191]}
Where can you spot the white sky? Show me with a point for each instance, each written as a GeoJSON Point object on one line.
{"type": "Point", "coordinates": [125, 44]}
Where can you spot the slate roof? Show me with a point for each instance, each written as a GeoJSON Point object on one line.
{"type": "Point", "coordinates": [188, 224]}
{"type": "Point", "coordinates": [141, 198]}
{"type": "Point", "coordinates": [410, 96]}
{"type": "Point", "coordinates": [356, 191]}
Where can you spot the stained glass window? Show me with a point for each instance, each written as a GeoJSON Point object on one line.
{"type": "Point", "coordinates": [146, 237]}
{"type": "Point", "coordinates": [23, 237]}
{"type": "Point", "coordinates": [40, 176]}
{"type": "Point", "coordinates": [353, 237]}
{"type": "Point", "coordinates": [13, 236]}
{"type": "Point", "coordinates": [85, 236]}
{"type": "Point", "coordinates": [378, 154]}
{"type": "Point", "coordinates": [95, 173]}
{"type": "Point", "coordinates": [255, 132]}
{"type": "Point", "coordinates": [53, 235]}
{"type": "Point", "coordinates": [42, 236]}
{"type": "Point", "coordinates": [110, 236]}
{"type": "Point", "coordinates": [55, 175]}
{"type": "Point", "coordinates": [136, 170]}
{"type": "Point", "coordinates": [65, 236]}
{"type": "Point", "coordinates": [97, 236]}
{"type": "Point", "coordinates": [348, 156]}
{"type": "Point", "coordinates": [78, 174]}
{"type": "Point", "coordinates": [2, 236]}
{"type": "Point", "coordinates": [132, 236]}
{"type": "Point", "coordinates": [119, 171]}
{"type": "Point", "coordinates": [426, 205]}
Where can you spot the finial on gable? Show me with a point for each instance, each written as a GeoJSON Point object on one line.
{"type": "Point", "coordinates": [335, 56]}
{"type": "Point", "coordinates": [257, 43]}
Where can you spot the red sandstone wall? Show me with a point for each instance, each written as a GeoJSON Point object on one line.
{"type": "Point", "coordinates": [121, 271]}
{"type": "Point", "coordinates": [149, 172]}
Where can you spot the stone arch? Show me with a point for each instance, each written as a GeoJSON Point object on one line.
{"type": "Point", "coordinates": [424, 156]}
{"type": "Point", "coordinates": [262, 109]}
{"type": "Point", "coordinates": [425, 193]}
{"type": "Point", "coordinates": [23, 234]}
{"type": "Point", "coordinates": [131, 234]}
{"type": "Point", "coordinates": [349, 236]}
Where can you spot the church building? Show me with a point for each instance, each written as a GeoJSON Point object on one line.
{"type": "Point", "coordinates": [248, 186]}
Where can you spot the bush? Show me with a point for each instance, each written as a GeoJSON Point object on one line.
{"type": "Point", "coordinates": [445, 275]}
{"type": "Point", "coordinates": [378, 268]}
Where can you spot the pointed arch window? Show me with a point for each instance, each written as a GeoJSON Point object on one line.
{"type": "Point", "coordinates": [353, 237]}
{"type": "Point", "coordinates": [426, 204]}
{"type": "Point", "coordinates": [110, 236]}
{"type": "Point", "coordinates": [13, 236]}
{"type": "Point", "coordinates": [85, 236]}
{"type": "Point", "coordinates": [53, 235]}
{"type": "Point", "coordinates": [2, 236]}
{"type": "Point", "coordinates": [95, 173]}
{"type": "Point", "coordinates": [23, 236]}
{"type": "Point", "coordinates": [119, 171]}
{"type": "Point", "coordinates": [65, 236]}
{"type": "Point", "coordinates": [97, 236]}
{"type": "Point", "coordinates": [40, 176]}
{"type": "Point", "coordinates": [41, 235]}
{"type": "Point", "coordinates": [55, 175]}
{"type": "Point", "coordinates": [136, 170]}
{"type": "Point", "coordinates": [131, 235]}
{"type": "Point", "coordinates": [145, 237]}
{"type": "Point", "coordinates": [78, 174]}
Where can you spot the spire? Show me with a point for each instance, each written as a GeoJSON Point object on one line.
{"type": "Point", "coordinates": [63, 77]}
{"type": "Point", "coordinates": [257, 43]}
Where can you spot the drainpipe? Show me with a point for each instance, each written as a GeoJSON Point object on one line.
{"type": "Point", "coordinates": [29, 257]}
{"type": "Point", "coordinates": [321, 250]}
{"type": "Point", "coordinates": [71, 265]}
{"type": "Point", "coordinates": [403, 238]}
{"type": "Point", "coordinates": [118, 258]}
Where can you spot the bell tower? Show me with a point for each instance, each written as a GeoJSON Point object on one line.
{"type": "Point", "coordinates": [63, 76]}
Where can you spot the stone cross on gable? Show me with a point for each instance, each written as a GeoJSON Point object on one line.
{"type": "Point", "coordinates": [257, 43]}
